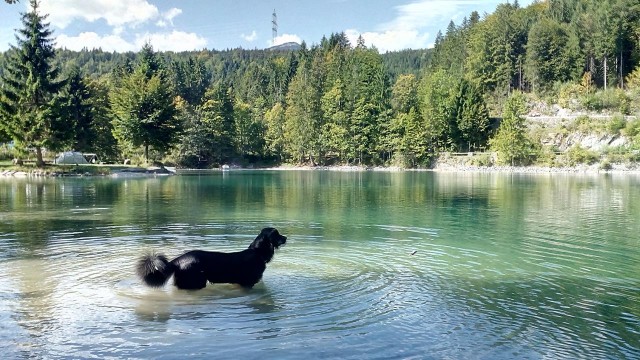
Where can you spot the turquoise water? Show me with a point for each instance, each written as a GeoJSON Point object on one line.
{"type": "Point", "coordinates": [377, 265]}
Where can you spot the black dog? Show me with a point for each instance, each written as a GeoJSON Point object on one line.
{"type": "Point", "coordinates": [191, 270]}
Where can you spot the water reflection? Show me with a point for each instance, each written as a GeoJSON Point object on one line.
{"type": "Point", "coordinates": [377, 264]}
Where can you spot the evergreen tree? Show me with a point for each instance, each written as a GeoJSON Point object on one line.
{"type": "Point", "coordinates": [30, 109]}
{"type": "Point", "coordinates": [218, 123]}
{"type": "Point", "coordinates": [103, 142]}
{"type": "Point", "coordinates": [472, 116]}
{"type": "Point", "coordinates": [304, 115]}
{"type": "Point", "coordinates": [437, 102]}
{"type": "Point", "coordinates": [275, 131]}
{"type": "Point", "coordinates": [78, 110]}
{"type": "Point", "coordinates": [334, 129]}
{"type": "Point", "coordinates": [249, 132]}
{"type": "Point", "coordinates": [511, 142]}
{"type": "Point", "coordinates": [144, 113]}
{"type": "Point", "coordinates": [553, 55]}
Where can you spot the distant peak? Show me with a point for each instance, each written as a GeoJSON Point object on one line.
{"type": "Point", "coordinates": [288, 46]}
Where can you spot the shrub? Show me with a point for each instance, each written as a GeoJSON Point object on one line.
{"type": "Point", "coordinates": [547, 157]}
{"type": "Point", "coordinates": [611, 99]}
{"type": "Point", "coordinates": [631, 128]}
{"type": "Point", "coordinates": [616, 124]}
{"type": "Point", "coordinates": [568, 94]}
{"type": "Point", "coordinates": [6, 153]}
{"type": "Point", "coordinates": [483, 159]}
{"type": "Point", "coordinates": [579, 155]}
{"type": "Point", "coordinates": [583, 124]}
{"type": "Point", "coordinates": [605, 165]}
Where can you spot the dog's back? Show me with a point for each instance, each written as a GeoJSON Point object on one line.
{"type": "Point", "coordinates": [243, 267]}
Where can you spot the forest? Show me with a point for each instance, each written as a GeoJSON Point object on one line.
{"type": "Point", "coordinates": [332, 102]}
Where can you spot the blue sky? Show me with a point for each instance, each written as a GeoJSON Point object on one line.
{"type": "Point", "coordinates": [169, 25]}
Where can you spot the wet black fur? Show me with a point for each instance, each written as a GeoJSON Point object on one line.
{"type": "Point", "coordinates": [193, 269]}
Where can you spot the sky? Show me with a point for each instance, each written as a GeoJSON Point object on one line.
{"type": "Point", "coordinates": [169, 25]}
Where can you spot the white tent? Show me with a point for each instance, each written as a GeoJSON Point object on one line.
{"type": "Point", "coordinates": [71, 157]}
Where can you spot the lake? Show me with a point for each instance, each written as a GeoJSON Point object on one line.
{"type": "Point", "coordinates": [378, 265]}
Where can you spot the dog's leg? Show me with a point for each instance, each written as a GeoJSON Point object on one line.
{"type": "Point", "coordinates": [190, 279]}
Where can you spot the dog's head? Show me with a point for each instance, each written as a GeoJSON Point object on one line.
{"type": "Point", "coordinates": [267, 241]}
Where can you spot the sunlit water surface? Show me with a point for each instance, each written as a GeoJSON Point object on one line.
{"type": "Point", "coordinates": [378, 265]}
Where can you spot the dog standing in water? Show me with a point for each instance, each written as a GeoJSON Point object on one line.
{"type": "Point", "coordinates": [193, 269]}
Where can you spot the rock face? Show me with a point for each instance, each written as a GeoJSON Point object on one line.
{"type": "Point", "coordinates": [595, 142]}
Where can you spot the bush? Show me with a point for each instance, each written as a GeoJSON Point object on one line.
{"type": "Point", "coordinates": [605, 165]}
{"type": "Point", "coordinates": [631, 128]}
{"type": "Point", "coordinates": [583, 124]}
{"type": "Point", "coordinates": [6, 153]}
{"type": "Point", "coordinates": [611, 99]}
{"type": "Point", "coordinates": [616, 124]}
{"type": "Point", "coordinates": [547, 157]}
{"type": "Point", "coordinates": [568, 94]}
{"type": "Point", "coordinates": [483, 159]}
{"type": "Point", "coordinates": [579, 155]}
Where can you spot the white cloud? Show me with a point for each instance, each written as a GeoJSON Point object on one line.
{"type": "Point", "coordinates": [284, 38]}
{"type": "Point", "coordinates": [251, 37]}
{"type": "Point", "coordinates": [114, 12]}
{"type": "Point", "coordinates": [392, 40]}
{"type": "Point", "coordinates": [173, 41]}
{"type": "Point", "coordinates": [167, 17]}
{"type": "Point", "coordinates": [91, 40]}
{"type": "Point", "coordinates": [171, 13]}
{"type": "Point", "coordinates": [419, 14]}
{"type": "Point", "coordinates": [408, 30]}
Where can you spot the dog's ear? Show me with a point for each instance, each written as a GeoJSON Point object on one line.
{"type": "Point", "coordinates": [262, 241]}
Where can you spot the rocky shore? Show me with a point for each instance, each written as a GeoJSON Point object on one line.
{"type": "Point", "coordinates": [440, 167]}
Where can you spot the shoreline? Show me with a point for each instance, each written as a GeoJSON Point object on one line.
{"type": "Point", "coordinates": [441, 168]}
{"type": "Point", "coordinates": [447, 168]}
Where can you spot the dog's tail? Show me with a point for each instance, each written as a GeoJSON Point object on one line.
{"type": "Point", "coordinates": [154, 269]}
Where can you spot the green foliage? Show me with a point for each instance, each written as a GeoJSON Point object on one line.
{"type": "Point", "coordinates": [143, 109]}
{"type": "Point", "coordinates": [30, 108]}
{"type": "Point", "coordinates": [611, 99]}
{"type": "Point", "coordinates": [77, 109]}
{"type": "Point", "coordinates": [437, 101]}
{"type": "Point", "coordinates": [578, 155]}
{"type": "Point", "coordinates": [631, 128]}
{"type": "Point", "coordinates": [615, 125]}
{"type": "Point", "coordinates": [553, 54]}
{"type": "Point", "coordinates": [336, 101]}
{"type": "Point", "coordinates": [275, 129]}
{"type": "Point", "coordinates": [546, 157]}
{"type": "Point", "coordinates": [249, 133]}
{"type": "Point", "coordinates": [216, 120]}
{"type": "Point", "coordinates": [510, 142]}
{"type": "Point", "coordinates": [483, 159]}
{"type": "Point", "coordinates": [472, 117]}
{"type": "Point", "coordinates": [569, 95]}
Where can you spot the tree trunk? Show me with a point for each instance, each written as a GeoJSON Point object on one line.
{"type": "Point", "coordinates": [146, 153]}
{"type": "Point", "coordinates": [39, 160]}
{"type": "Point", "coordinates": [605, 73]}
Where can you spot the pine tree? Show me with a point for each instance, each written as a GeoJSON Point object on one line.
{"type": "Point", "coordinates": [472, 116]}
{"type": "Point", "coordinates": [78, 110]}
{"type": "Point", "coordinates": [218, 123]}
{"type": "Point", "coordinates": [511, 142]}
{"type": "Point", "coordinates": [30, 107]}
{"type": "Point", "coordinates": [144, 113]}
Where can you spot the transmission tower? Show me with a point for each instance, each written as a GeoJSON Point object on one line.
{"type": "Point", "coordinates": [274, 23]}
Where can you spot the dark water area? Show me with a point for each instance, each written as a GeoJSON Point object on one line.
{"type": "Point", "coordinates": [378, 265]}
